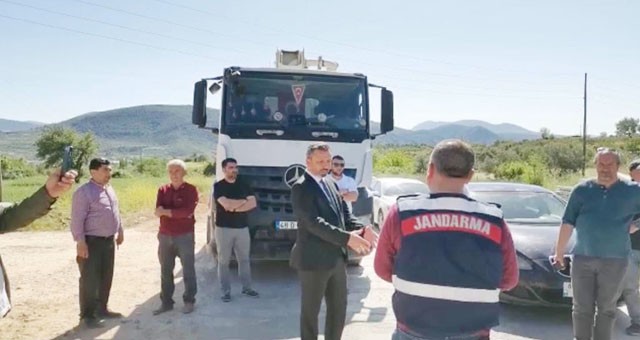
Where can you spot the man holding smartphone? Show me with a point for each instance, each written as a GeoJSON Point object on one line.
{"type": "Point", "coordinates": [95, 222]}
{"type": "Point", "coordinates": [20, 215]}
{"type": "Point", "coordinates": [601, 211]}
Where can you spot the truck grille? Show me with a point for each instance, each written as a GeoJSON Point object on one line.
{"type": "Point", "coordinates": [272, 194]}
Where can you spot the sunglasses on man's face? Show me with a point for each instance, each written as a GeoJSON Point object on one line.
{"type": "Point", "coordinates": [338, 164]}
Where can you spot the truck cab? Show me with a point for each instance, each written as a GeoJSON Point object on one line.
{"type": "Point", "coordinates": [268, 117]}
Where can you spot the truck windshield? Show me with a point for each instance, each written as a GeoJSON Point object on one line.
{"type": "Point", "coordinates": [294, 106]}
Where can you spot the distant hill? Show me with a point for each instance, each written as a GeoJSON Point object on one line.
{"type": "Point", "coordinates": [166, 131]}
{"type": "Point", "coordinates": [8, 125]}
{"type": "Point", "coordinates": [163, 130]}
{"type": "Point", "coordinates": [504, 131]}
{"type": "Point", "coordinates": [471, 134]}
{"type": "Point", "coordinates": [148, 130]}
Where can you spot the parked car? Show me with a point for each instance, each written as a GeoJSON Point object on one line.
{"type": "Point", "coordinates": [387, 189]}
{"type": "Point", "coordinates": [534, 215]}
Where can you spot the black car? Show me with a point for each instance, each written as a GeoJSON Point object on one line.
{"type": "Point", "coordinates": [533, 215]}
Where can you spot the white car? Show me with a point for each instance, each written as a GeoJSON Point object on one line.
{"type": "Point", "coordinates": [386, 190]}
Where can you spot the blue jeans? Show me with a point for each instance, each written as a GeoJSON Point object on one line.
{"type": "Point", "coordinates": [401, 335]}
{"type": "Point", "coordinates": [630, 292]}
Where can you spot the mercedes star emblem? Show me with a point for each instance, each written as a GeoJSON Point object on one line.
{"type": "Point", "coordinates": [292, 174]}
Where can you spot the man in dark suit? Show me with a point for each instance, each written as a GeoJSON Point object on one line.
{"type": "Point", "coordinates": [326, 228]}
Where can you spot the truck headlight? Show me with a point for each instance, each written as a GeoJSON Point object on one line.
{"type": "Point", "coordinates": [524, 264]}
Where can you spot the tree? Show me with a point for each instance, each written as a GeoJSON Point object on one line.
{"type": "Point", "coordinates": [627, 127]}
{"type": "Point", "coordinates": [51, 145]}
{"type": "Point", "coordinates": [545, 133]}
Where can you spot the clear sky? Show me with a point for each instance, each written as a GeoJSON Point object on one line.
{"type": "Point", "coordinates": [521, 62]}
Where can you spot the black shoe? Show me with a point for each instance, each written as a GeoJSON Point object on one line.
{"type": "Point", "coordinates": [226, 297]}
{"type": "Point", "coordinates": [162, 309]}
{"type": "Point", "coordinates": [109, 315]}
{"type": "Point", "coordinates": [250, 292]}
{"type": "Point", "coordinates": [634, 329]}
{"type": "Point", "coordinates": [93, 323]}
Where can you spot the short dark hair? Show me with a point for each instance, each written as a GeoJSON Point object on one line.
{"type": "Point", "coordinates": [453, 158]}
{"type": "Point", "coordinates": [227, 161]}
{"type": "Point", "coordinates": [322, 146]}
{"type": "Point", "coordinates": [634, 165]}
{"type": "Point", "coordinates": [338, 157]}
{"type": "Point", "coordinates": [96, 163]}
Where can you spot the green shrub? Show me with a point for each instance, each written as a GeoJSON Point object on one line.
{"type": "Point", "coordinates": [393, 162]}
{"type": "Point", "coordinates": [154, 167]}
{"type": "Point", "coordinates": [13, 168]}
{"type": "Point", "coordinates": [209, 169]}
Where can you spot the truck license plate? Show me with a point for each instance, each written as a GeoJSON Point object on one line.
{"type": "Point", "coordinates": [286, 225]}
{"type": "Point", "coordinates": [567, 291]}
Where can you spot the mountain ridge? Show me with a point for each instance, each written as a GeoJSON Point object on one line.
{"type": "Point", "coordinates": [166, 131]}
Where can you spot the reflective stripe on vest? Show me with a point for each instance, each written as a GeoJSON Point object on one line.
{"type": "Point", "coordinates": [446, 293]}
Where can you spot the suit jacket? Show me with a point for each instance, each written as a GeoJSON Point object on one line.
{"type": "Point", "coordinates": [20, 215]}
{"type": "Point", "coordinates": [323, 231]}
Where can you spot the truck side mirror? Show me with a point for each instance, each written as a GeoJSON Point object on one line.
{"type": "Point", "coordinates": [386, 110]}
{"type": "Point", "coordinates": [199, 113]}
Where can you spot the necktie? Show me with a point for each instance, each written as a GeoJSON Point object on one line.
{"type": "Point", "coordinates": [327, 192]}
{"type": "Point", "coordinates": [332, 202]}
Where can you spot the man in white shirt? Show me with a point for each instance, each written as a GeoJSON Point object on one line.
{"type": "Point", "coordinates": [347, 185]}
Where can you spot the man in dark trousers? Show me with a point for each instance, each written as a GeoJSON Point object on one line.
{"type": "Point", "coordinates": [601, 212]}
{"type": "Point", "coordinates": [447, 255]}
{"type": "Point", "coordinates": [95, 222]}
{"type": "Point", "coordinates": [175, 206]}
{"type": "Point", "coordinates": [15, 216]}
{"type": "Point", "coordinates": [326, 228]}
{"type": "Point", "coordinates": [630, 291]}
{"type": "Point", "coordinates": [234, 198]}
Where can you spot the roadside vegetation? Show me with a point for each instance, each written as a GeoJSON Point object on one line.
{"type": "Point", "coordinates": [136, 184]}
{"type": "Point", "coordinates": [550, 162]}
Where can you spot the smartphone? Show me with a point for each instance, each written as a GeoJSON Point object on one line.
{"type": "Point", "coordinates": [66, 160]}
{"type": "Point", "coordinates": [556, 265]}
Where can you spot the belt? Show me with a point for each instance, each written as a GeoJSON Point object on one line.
{"type": "Point", "coordinates": [93, 237]}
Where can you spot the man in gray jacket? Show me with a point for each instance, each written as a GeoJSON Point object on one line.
{"type": "Point", "coordinates": [19, 215]}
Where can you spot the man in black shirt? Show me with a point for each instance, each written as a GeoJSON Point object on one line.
{"type": "Point", "coordinates": [630, 292]}
{"type": "Point", "coordinates": [234, 199]}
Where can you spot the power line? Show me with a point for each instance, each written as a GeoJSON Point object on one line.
{"type": "Point", "coordinates": [187, 53]}
{"type": "Point", "coordinates": [369, 49]}
{"type": "Point", "coordinates": [147, 17]}
{"type": "Point", "coordinates": [116, 25]}
{"type": "Point", "coordinates": [105, 37]}
{"type": "Point", "coordinates": [157, 19]}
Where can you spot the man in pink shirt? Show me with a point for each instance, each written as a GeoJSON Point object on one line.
{"type": "Point", "coordinates": [96, 227]}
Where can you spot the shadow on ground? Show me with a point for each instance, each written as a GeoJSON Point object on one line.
{"type": "Point", "coordinates": [274, 315]}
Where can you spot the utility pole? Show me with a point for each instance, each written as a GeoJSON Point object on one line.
{"type": "Point", "coordinates": [584, 129]}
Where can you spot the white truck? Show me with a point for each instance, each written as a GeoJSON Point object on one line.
{"type": "Point", "coordinates": [268, 117]}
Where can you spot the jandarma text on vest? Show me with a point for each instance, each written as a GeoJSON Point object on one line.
{"type": "Point", "coordinates": [451, 222]}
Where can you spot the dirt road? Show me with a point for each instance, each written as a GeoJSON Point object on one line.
{"type": "Point", "coordinates": [45, 291]}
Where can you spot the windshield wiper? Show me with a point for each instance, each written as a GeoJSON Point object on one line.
{"type": "Point", "coordinates": [324, 134]}
{"type": "Point", "coordinates": [262, 132]}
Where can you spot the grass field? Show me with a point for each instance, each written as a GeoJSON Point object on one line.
{"type": "Point", "coordinates": [136, 195]}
